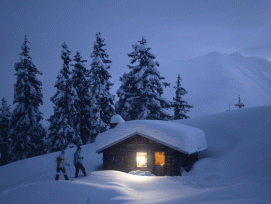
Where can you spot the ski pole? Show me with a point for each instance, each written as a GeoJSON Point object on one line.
{"type": "Point", "coordinates": [83, 166]}
{"type": "Point", "coordinates": [70, 172]}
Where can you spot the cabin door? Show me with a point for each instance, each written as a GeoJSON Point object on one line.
{"type": "Point", "coordinates": [159, 163]}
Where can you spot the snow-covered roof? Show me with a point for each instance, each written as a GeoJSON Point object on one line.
{"type": "Point", "coordinates": [177, 136]}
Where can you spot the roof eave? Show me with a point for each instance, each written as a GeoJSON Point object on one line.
{"type": "Point", "coordinates": [143, 135]}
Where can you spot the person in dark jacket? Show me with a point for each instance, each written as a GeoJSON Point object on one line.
{"type": "Point", "coordinates": [77, 162]}
{"type": "Point", "coordinates": [61, 166]}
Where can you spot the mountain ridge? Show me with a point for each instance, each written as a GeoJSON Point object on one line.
{"type": "Point", "coordinates": [215, 80]}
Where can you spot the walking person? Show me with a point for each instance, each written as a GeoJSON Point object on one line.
{"type": "Point", "coordinates": [77, 162]}
{"type": "Point", "coordinates": [61, 166]}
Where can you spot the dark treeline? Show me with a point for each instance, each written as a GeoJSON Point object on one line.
{"type": "Point", "coordinates": [83, 104]}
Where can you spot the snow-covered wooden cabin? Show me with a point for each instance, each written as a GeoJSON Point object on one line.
{"type": "Point", "coordinates": [161, 147]}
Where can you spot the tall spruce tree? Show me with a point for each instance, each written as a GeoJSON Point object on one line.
{"type": "Point", "coordinates": [102, 104]}
{"type": "Point", "coordinates": [80, 80]}
{"type": "Point", "coordinates": [180, 106]}
{"type": "Point", "coordinates": [140, 93]}
{"type": "Point", "coordinates": [239, 104]}
{"type": "Point", "coordinates": [63, 129]}
{"type": "Point", "coordinates": [4, 131]}
{"type": "Point", "coordinates": [26, 132]}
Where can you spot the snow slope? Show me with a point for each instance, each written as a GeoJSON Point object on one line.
{"type": "Point", "coordinates": [237, 170]}
{"type": "Point", "coordinates": [215, 80]}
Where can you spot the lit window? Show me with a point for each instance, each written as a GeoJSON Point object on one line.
{"type": "Point", "coordinates": [141, 159]}
{"type": "Point", "coordinates": [160, 158]}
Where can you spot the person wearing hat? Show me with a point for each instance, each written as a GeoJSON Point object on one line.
{"type": "Point", "coordinates": [77, 162]}
{"type": "Point", "coordinates": [61, 166]}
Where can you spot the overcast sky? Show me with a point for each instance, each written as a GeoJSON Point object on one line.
{"type": "Point", "coordinates": [175, 30]}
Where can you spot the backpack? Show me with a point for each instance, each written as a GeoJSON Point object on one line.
{"type": "Point", "coordinates": [58, 160]}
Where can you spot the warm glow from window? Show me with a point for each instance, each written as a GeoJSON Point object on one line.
{"type": "Point", "coordinates": [160, 158]}
{"type": "Point", "coordinates": [141, 159]}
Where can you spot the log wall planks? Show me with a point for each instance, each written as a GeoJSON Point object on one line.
{"type": "Point", "coordinates": [123, 157]}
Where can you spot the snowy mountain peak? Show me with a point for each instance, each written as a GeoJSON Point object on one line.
{"type": "Point", "coordinates": [215, 53]}
{"type": "Point", "coordinates": [237, 55]}
{"type": "Point", "coordinates": [215, 80]}
{"type": "Point", "coordinates": [219, 55]}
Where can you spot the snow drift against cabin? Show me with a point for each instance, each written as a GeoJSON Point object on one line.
{"type": "Point", "coordinates": [177, 136]}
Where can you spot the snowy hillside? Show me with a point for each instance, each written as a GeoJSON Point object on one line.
{"type": "Point", "coordinates": [236, 169]}
{"type": "Point", "coordinates": [215, 80]}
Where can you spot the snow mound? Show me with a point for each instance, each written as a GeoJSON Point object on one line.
{"type": "Point", "coordinates": [141, 173]}
{"type": "Point", "coordinates": [117, 119]}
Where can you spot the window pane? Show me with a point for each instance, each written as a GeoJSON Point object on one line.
{"type": "Point", "coordinates": [141, 159]}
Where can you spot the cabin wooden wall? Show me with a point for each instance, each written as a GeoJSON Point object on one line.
{"type": "Point", "coordinates": [122, 156]}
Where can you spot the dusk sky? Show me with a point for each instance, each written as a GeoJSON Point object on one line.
{"type": "Point", "coordinates": [175, 30]}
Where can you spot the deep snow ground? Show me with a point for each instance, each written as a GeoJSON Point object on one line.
{"type": "Point", "coordinates": [237, 170]}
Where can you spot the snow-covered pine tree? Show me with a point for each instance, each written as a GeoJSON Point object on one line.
{"type": "Point", "coordinates": [140, 93]}
{"type": "Point", "coordinates": [62, 130]}
{"type": "Point", "coordinates": [26, 131]}
{"type": "Point", "coordinates": [80, 80]}
{"type": "Point", "coordinates": [103, 105]}
{"type": "Point", "coordinates": [4, 131]}
{"type": "Point", "coordinates": [180, 106]}
{"type": "Point", "coordinates": [239, 104]}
